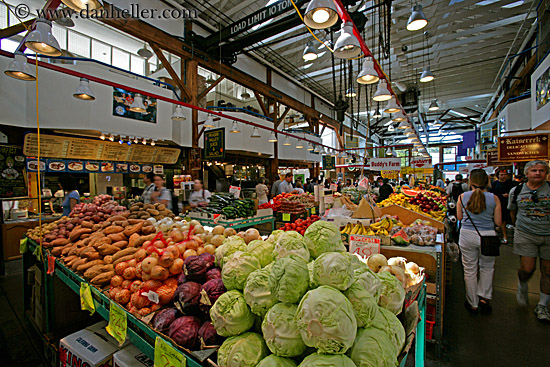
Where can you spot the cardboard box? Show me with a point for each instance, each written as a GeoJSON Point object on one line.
{"type": "Point", "coordinates": [92, 347]}
{"type": "Point", "coordinates": [131, 356]}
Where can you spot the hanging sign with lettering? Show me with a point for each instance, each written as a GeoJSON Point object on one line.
{"type": "Point", "coordinates": [522, 148]}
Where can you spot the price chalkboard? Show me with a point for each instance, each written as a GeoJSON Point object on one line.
{"type": "Point", "coordinates": [329, 162]}
{"type": "Point", "coordinates": [12, 179]}
{"type": "Point", "coordinates": [214, 144]}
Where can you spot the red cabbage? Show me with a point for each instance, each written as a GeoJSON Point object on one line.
{"type": "Point", "coordinates": [185, 331]}
{"type": "Point", "coordinates": [187, 296]}
{"type": "Point", "coordinates": [163, 319]}
{"type": "Point", "coordinates": [181, 278]}
{"type": "Point", "coordinates": [210, 292]}
{"type": "Point", "coordinates": [214, 273]}
{"type": "Point", "coordinates": [195, 267]}
{"type": "Point", "coordinates": [209, 258]}
{"type": "Point", "coordinates": [208, 335]}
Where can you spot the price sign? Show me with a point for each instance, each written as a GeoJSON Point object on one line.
{"type": "Point", "coordinates": [86, 300]}
{"type": "Point", "coordinates": [166, 355]}
{"type": "Point", "coordinates": [334, 187]}
{"type": "Point", "coordinates": [364, 246]}
{"type": "Point", "coordinates": [23, 245]}
{"type": "Point", "coordinates": [329, 199]}
{"type": "Point", "coordinates": [313, 210]}
{"type": "Point", "coordinates": [286, 217]}
{"type": "Point", "coordinates": [118, 323]}
{"type": "Point", "coordinates": [235, 190]}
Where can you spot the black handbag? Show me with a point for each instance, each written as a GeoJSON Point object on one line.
{"type": "Point", "coordinates": [490, 245]}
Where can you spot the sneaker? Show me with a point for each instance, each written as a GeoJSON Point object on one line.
{"type": "Point", "coordinates": [542, 313]}
{"type": "Point", "coordinates": [522, 297]}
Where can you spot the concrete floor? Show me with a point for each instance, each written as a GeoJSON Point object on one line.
{"type": "Point", "coordinates": [511, 336]}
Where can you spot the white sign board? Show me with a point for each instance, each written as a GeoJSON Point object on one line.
{"type": "Point", "coordinates": [364, 246]}
{"type": "Point", "coordinates": [421, 162]}
{"type": "Point", "coordinates": [385, 164]}
{"type": "Point", "coordinates": [235, 190]}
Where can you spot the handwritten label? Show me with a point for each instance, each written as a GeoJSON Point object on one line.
{"type": "Point", "coordinates": [364, 246]}
{"type": "Point", "coordinates": [286, 217]}
{"type": "Point", "coordinates": [51, 265]}
{"type": "Point", "coordinates": [166, 355]}
{"type": "Point", "coordinates": [86, 300]}
{"type": "Point", "coordinates": [118, 323]}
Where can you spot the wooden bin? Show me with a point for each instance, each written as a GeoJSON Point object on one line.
{"type": "Point", "coordinates": [407, 216]}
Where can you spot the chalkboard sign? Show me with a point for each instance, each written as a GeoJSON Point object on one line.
{"type": "Point", "coordinates": [214, 144]}
{"type": "Point", "coordinates": [12, 178]}
{"type": "Point", "coordinates": [329, 162]}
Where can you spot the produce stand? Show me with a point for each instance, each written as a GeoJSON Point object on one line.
{"type": "Point", "coordinates": [262, 217]}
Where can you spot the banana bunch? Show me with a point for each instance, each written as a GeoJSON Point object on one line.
{"type": "Point", "coordinates": [356, 229]}
{"type": "Point", "coordinates": [439, 215]}
{"type": "Point", "coordinates": [382, 228]}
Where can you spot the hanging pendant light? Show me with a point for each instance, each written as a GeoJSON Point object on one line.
{"type": "Point", "coordinates": [178, 115]}
{"type": "Point", "coordinates": [347, 46]}
{"type": "Point", "coordinates": [286, 141]}
{"type": "Point", "coordinates": [310, 53]}
{"type": "Point", "coordinates": [136, 140]}
{"type": "Point", "coordinates": [83, 91]}
{"type": "Point", "coordinates": [399, 116]}
{"type": "Point", "coordinates": [377, 113]}
{"type": "Point", "coordinates": [433, 106]}
{"type": "Point", "coordinates": [137, 105]}
{"type": "Point", "coordinates": [245, 95]}
{"type": "Point", "coordinates": [153, 142]}
{"type": "Point", "coordinates": [417, 20]}
{"type": "Point", "coordinates": [310, 147]}
{"type": "Point", "coordinates": [78, 5]}
{"type": "Point", "coordinates": [317, 150]}
{"type": "Point", "coordinates": [334, 153]}
{"type": "Point", "coordinates": [389, 151]}
{"type": "Point", "coordinates": [299, 145]}
{"type": "Point", "coordinates": [144, 141]}
{"type": "Point", "coordinates": [391, 128]}
{"type": "Point", "coordinates": [41, 40]}
{"type": "Point", "coordinates": [144, 52]}
{"type": "Point", "coordinates": [320, 14]}
{"type": "Point", "coordinates": [64, 22]}
{"type": "Point", "coordinates": [255, 133]}
{"type": "Point", "coordinates": [209, 122]}
{"type": "Point", "coordinates": [392, 106]}
{"type": "Point", "coordinates": [102, 136]}
{"type": "Point", "coordinates": [404, 125]}
{"type": "Point", "coordinates": [111, 137]}
{"type": "Point", "coordinates": [235, 128]}
{"type": "Point", "coordinates": [121, 139]}
{"type": "Point", "coordinates": [350, 93]}
{"type": "Point", "coordinates": [427, 75]}
{"type": "Point", "coordinates": [382, 92]}
{"type": "Point", "coordinates": [272, 138]}
{"type": "Point", "coordinates": [19, 69]}
{"type": "Point", "coordinates": [437, 123]}
{"type": "Point", "coordinates": [368, 74]}
{"type": "Point", "coordinates": [409, 132]}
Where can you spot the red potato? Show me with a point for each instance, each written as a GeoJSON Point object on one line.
{"type": "Point", "coordinates": [116, 281]}
{"type": "Point", "coordinates": [145, 276]}
{"type": "Point", "coordinates": [113, 291]}
{"type": "Point", "coordinates": [135, 286]}
{"type": "Point", "coordinates": [139, 301]}
{"type": "Point", "coordinates": [139, 271]}
{"type": "Point", "coordinates": [123, 296]}
{"type": "Point", "coordinates": [144, 311]}
{"type": "Point", "coordinates": [126, 284]}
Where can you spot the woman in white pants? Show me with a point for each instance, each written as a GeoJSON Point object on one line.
{"type": "Point", "coordinates": [484, 210]}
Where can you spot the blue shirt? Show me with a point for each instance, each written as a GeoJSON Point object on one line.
{"type": "Point", "coordinates": [67, 202]}
{"type": "Point", "coordinates": [484, 221]}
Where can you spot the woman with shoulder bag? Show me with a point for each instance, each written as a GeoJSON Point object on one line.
{"type": "Point", "coordinates": [479, 212]}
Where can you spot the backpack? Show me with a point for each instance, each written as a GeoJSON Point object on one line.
{"type": "Point", "coordinates": [456, 190]}
{"type": "Point", "coordinates": [516, 192]}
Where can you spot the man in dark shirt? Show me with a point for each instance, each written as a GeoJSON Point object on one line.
{"type": "Point", "coordinates": [501, 188]}
{"type": "Point", "coordinates": [385, 190]}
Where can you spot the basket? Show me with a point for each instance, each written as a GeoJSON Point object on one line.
{"type": "Point", "coordinates": [430, 321]}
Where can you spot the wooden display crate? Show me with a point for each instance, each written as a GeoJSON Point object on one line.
{"type": "Point", "coordinates": [407, 216]}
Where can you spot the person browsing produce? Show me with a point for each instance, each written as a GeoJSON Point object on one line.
{"type": "Point", "coordinates": [161, 194]}
{"type": "Point", "coordinates": [262, 191]}
{"type": "Point", "coordinates": [285, 187]}
{"type": "Point", "coordinates": [72, 197]}
{"type": "Point", "coordinates": [149, 187]}
{"type": "Point", "coordinates": [199, 196]}
{"type": "Point", "coordinates": [478, 209]}
{"type": "Point", "coordinates": [529, 205]}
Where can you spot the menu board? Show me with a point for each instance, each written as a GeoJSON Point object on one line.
{"type": "Point", "coordinates": [62, 147]}
{"type": "Point", "coordinates": [12, 179]}
{"type": "Point", "coordinates": [329, 162]}
{"type": "Point", "coordinates": [522, 148]}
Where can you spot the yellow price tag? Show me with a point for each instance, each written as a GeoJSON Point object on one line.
{"type": "Point", "coordinates": [86, 300]}
{"type": "Point", "coordinates": [118, 323]}
{"type": "Point", "coordinates": [23, 245]}
{"type": "Point", "coordinates": [286, 217]}
{"type": "Point", "coordinates": [313, 210]}
{"type": "Point", "coordinates": [167, 356]}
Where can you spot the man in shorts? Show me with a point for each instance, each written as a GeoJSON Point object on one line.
{"type": "Point", "coordinates": [529, 205]}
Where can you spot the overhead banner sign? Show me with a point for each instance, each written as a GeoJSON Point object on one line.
{"type": "Point", "coordinates": [421, 162]}
{"type": "Point", "coordinates": [492, 158]}
{"type": "Point", "coordinates": [329, 162]}
{"type": "Point", "coordinates": [385, 164]}
{"type": "Point", "coordinates": [214, 143]}
{"type": "Point", "coordinates": [522, 148]}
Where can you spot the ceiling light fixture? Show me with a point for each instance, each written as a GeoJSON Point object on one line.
{"type": "Point", "coordinates": [320, 14]}
{"type": "Point", "coordinates": [235, 128]}
{"type": "Point", "coordinates": [102, 136]}
{"type": "Point", "coordinates": [350, 93]}
{"type": "Point", "coordinates": [310, 53]}
{"type": "Point", "coordinates": [78, 5]}
{"type": "Point", "coordinates": [64, 22]}
{"type": "Point", "coordinates": [391, 128]}
{"type": "Point", "coordinates": [299, 145]}
{"type": "Point", "coordinates": [392, 106]}
{"type": "Point", "coordinates": [347, 46]}
{"type": "Point", "coordinates": [433, 106]}
{"type": "Point", "coordinates": [368, 74]}
{"type": "Point", "coordinates": [310, 147]}
{"type": "Point", "coordinates": [255, 133]}
{"type": "Point", "coordinates": [317, 149]}
{"type": "Point", "coordinates": [245, 95]}
{"type": "Point", "coordinates": [121, 139]}
{"type": "Point", "coordinates": [83, 91]}
{"type": "Point", "coordinates": [382, 92]}
{"type": "Point", "coordinates": [377, 113]}
{"type": "Point", "coordinates": [178, 115]}
{"type": "Point", "coordinates": [41, 39]}
{"type": "Point", "coordinates": [272, 138]}
{"type": "Point", "coordinates": [286, 141]}
{"type": "Point", "coordinates": [389, 151]}
{"type": "Point", "coordinates": [111, 137]}
{"type": "Point", "coordinates": [209, 122]}
{"type": "Point", "coordinates": [144, 52]}
{"type": "Point", "coordinates": [399, 116]}
{"type": "Point", "coordinates": [137, 105]}
{"type": "Point", "coordinates": [144, 141]}
{"type": "Point", "coordinates": [19, 69]}
{"type": "Point", "coordinates": [427, 75]}
{"type": "Point", "coordinates": [153, 142]}
{"type": "Point", "coordinates": [417, 20]}
{"type": "Point", "coordinates": [409, 131]}
{"type": "Point", "coordinates": [136, 140]}
{"type": "Point", "coordinates": [404, 125]}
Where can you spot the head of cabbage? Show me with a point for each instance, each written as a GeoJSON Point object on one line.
{"type": "Point", "coordinates": [289, 278]}
{"type": "Point", "coordinates": [263, 250]}
{"type": "Point", "coordinates": [326, 320]}
{"type": "Point", "coordinates": [323, 237]}
{"type": "Point", "coordinates": [392, 293]}
{"type": "Point", "coordinates": [228, 248]}
{"type": "Point", "coordinates": [274, 236]}
{"type": "Point", "coordinates": [257, 292]}
{"type": "Point", "coordinates": [236, 270]}
{"type": "Point", "coordinates": [280, 331]}
{"type": "Point", "coordinates": [333, 269]}
{"type": "Point", "coordinates": [275, 361]}
{"type": "Point", "coordinates": [231, 315]}
{"type": "Point", "coordinates": [369, 281]}
{"type": "Point", "coordinates": [387, 322]}
{"type": "Point", "coordinates": [373, 348]}
{"type": "Point", "coordinates": [325, 360]}
{"type": "Point", "coordinates": [291, 243]}
{"type": "Point", "coordinates": [245, 350]}
{"type": "Point", "coordinates": [364, 304]}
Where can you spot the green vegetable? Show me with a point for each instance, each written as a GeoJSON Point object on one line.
{"type": "Point", "coordinates": [231, 315]}
{"type": "Point", "coordinates": [358, 265]}
{"type": "Point", "coordinates": [263, 250]}
{"type": "Point", "coordinates": [373, 348]}
{"type": "Point", "coordinates": [389, 323]}
{"type": "Point", "coordinates": [280, 331]}
{"type": "Point", "coordinates": [289, 279]}
{"type": "Point", "coordinates": [327, 360]}
{"type": "Point", "coordinates": [368, 280]}
{"type": "Point", "coordinates": [257, 292]}
{"type": "Point", "coordinates": [275, 361]}
{"type": "Point", "coordinates": [323, 237]}
{"type": "Point", "coordinates": [228, 248]}
{"type": "Point", "coordinates": [245, 350]}
{"type": "Point", "coordinates": [236, 270]}
{"type": "Point", "coordinates": [274, 236]}
{"type": "Point", "coordinates": [333, 269]}
{"type": "Point", "coordinates": [364, 304]}
{"type": "Point", "coordinates": [392, 293]}
{"type": "Point", "coordinates": [326, 320]}
{"type": "Point", "coordinates": [310, 269]}
{"type": "Point", "coordinates": [291, 243]}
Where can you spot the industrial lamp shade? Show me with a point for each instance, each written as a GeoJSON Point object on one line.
{"type": "Point", "coordinates": [255, 133]}
{"type": "Point", "coordinates": [320, 14]}
{"type": "Point", "coordinates": [389, 151]}
{"type": "Point", "coordinates": [178, 114]}
{"type": "Point", "coordinates": [391, 128]}
{"type": "Point", "coordinates": [368, 74]}
{"type": "Point", "coordinates": [404, 125]}
{"type": "Point", "coordinates": [78, 5]}
{"type": "Point", "coordinates": [65, 22]}
{"type": "Point", "coordinates": [245, 95]}
{"type": "Point", "coordinates": [399, 116]}
{"type": "Point", "coordinates": [310, 147]}
{"type": "Point", "coordinates": [350, 93]}
{"type": "Point", "coordinates": [235, 128]}
{"type": "Point", "coordinates": [272, 138]}
{"type": "Point", "coordinates": [209, 122]}
{"type": "Point", "coordinates": [83, 91]}
{"type": "Point", "coordinates": [417, 20]}
{"type": "Point", "coordinates": [347, 46]}
{"type": "Point", "coordinates": [377, 113]}
{"type": "Point", "coordinates": [433, 106]}
{"type": "Point", "coordinates": [310, 53]}
{"type": "Point", "coordinates": [19, 69]}
{"type": "Point", "coordinates": [392, 106]}
{"type": "Point", "coordinates": [427, 75]}
{"type": "Point", "coordinates": [144, 52]}
{"type": "Point", "coordinates": [137, 105]}
{"type": "Point", "coordinates": [382, 93]}
{"type": "Point", "coordinates": [41, 39]}
{"type": "Point", "coordinates": [299, 145]}
{"type": "Point", "coordinates": [286, 141]}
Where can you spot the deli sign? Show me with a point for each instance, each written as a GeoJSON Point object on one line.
{"type": "Point", "coordinates": [523, 148]}
{"type": "Point", "coordinates": [421, 162]}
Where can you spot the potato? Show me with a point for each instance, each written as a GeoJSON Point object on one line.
{"type": "Point", "coordinates": [176, 267]}
{"type": "Point", "coordinates": [148, 264]}
{"type": "Point", "coordinates": [140, 255]}
{"type": "Point", "coordinates": [120, 267]}
{"type": "Point", "coordinates": [116, 281]}
{"type": "Point", "coordinates": [201, 250]}
{"type": "Point", "coordinates": [166, 259]}
{"type": "Point", "coordinates": [123, 296]}
{"type": "Point", "coordinates": [192, 244]}
{"type": "Point", "coordinates": [210, 248]}
{"type": "Point", "coordinates": [199, 229]}
{"type": "Point", "coordinates": [188, 253]}
{"type": "Point", "coordinates": [217, 240]}
{"type": "Point", "coordinates": [176, 235]}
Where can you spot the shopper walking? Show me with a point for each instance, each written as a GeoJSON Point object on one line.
{"type": "Point", "coordinates": [199, 196]}
{"type": "Point", "coordinates": [72, 197]}
{"type": "Point", "coordinates": [385, 190]}
{"type": "Point", "coordinates": [261, 191]}
{"type": "Point", "coordinates": [478, 211]}
{"type": "Point", "coordinates": [161, 194]}
{"type": "Point", "coordinates": [529, 205]}
{"type": "Point", "coordinates": [275, 187]}
{"type": "Point", "coordinates": [440, 183]}
{"type": "Point", "coordinates": [149, 187]}
{"type": "Point", "coordinates": [501, 188]}
{"type": "Point", "coordinates": [457, 187]}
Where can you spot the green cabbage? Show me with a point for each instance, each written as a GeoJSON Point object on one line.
{"type": "Point", "coordinates": [326, 320]}
{"type": "Point", "coordinates": [257, 292]}
{"type": "Point", "coordinates": [310, 269]}
{"type": "Point", "coordinates": [364, 304]}
{"type": "Point", "coordinates": [368, 280]}
{"type": "Point", "coordinates": [373, 348]}
{"type": "Point", "coordinates": [386, 321]}
{"type": "Point", "coordinates": [323, 237]}
{"type": "Point", "coordinates": [327, 360]}
{"type": "Point", "coordinates": [274, 236]}
{"type": "Point", "coordinates": [263, 250]}
{"type": "Point", "coordinates": [358, 265]}
{"type": "Point", "coordinates": [245, 350]}
{"type": "Point", "coordinates": [231, 315]}
{"type": "Point", "coordinates": [291, 243]}
{"type": "Point", "coordinates": [280, 331]}
{"type": "Point", "coordinates": [275, 361]}
{"type": "Point", "coordinates": [228, 248]}
{"type": "Point", "coordinates": [236, 270]}
{"type": "Point", "coordinates": [289, 279]}
{"type": "Point", "coordinates": [392, 293]}
{"type": "Point", "coordinates": [333, 269]}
